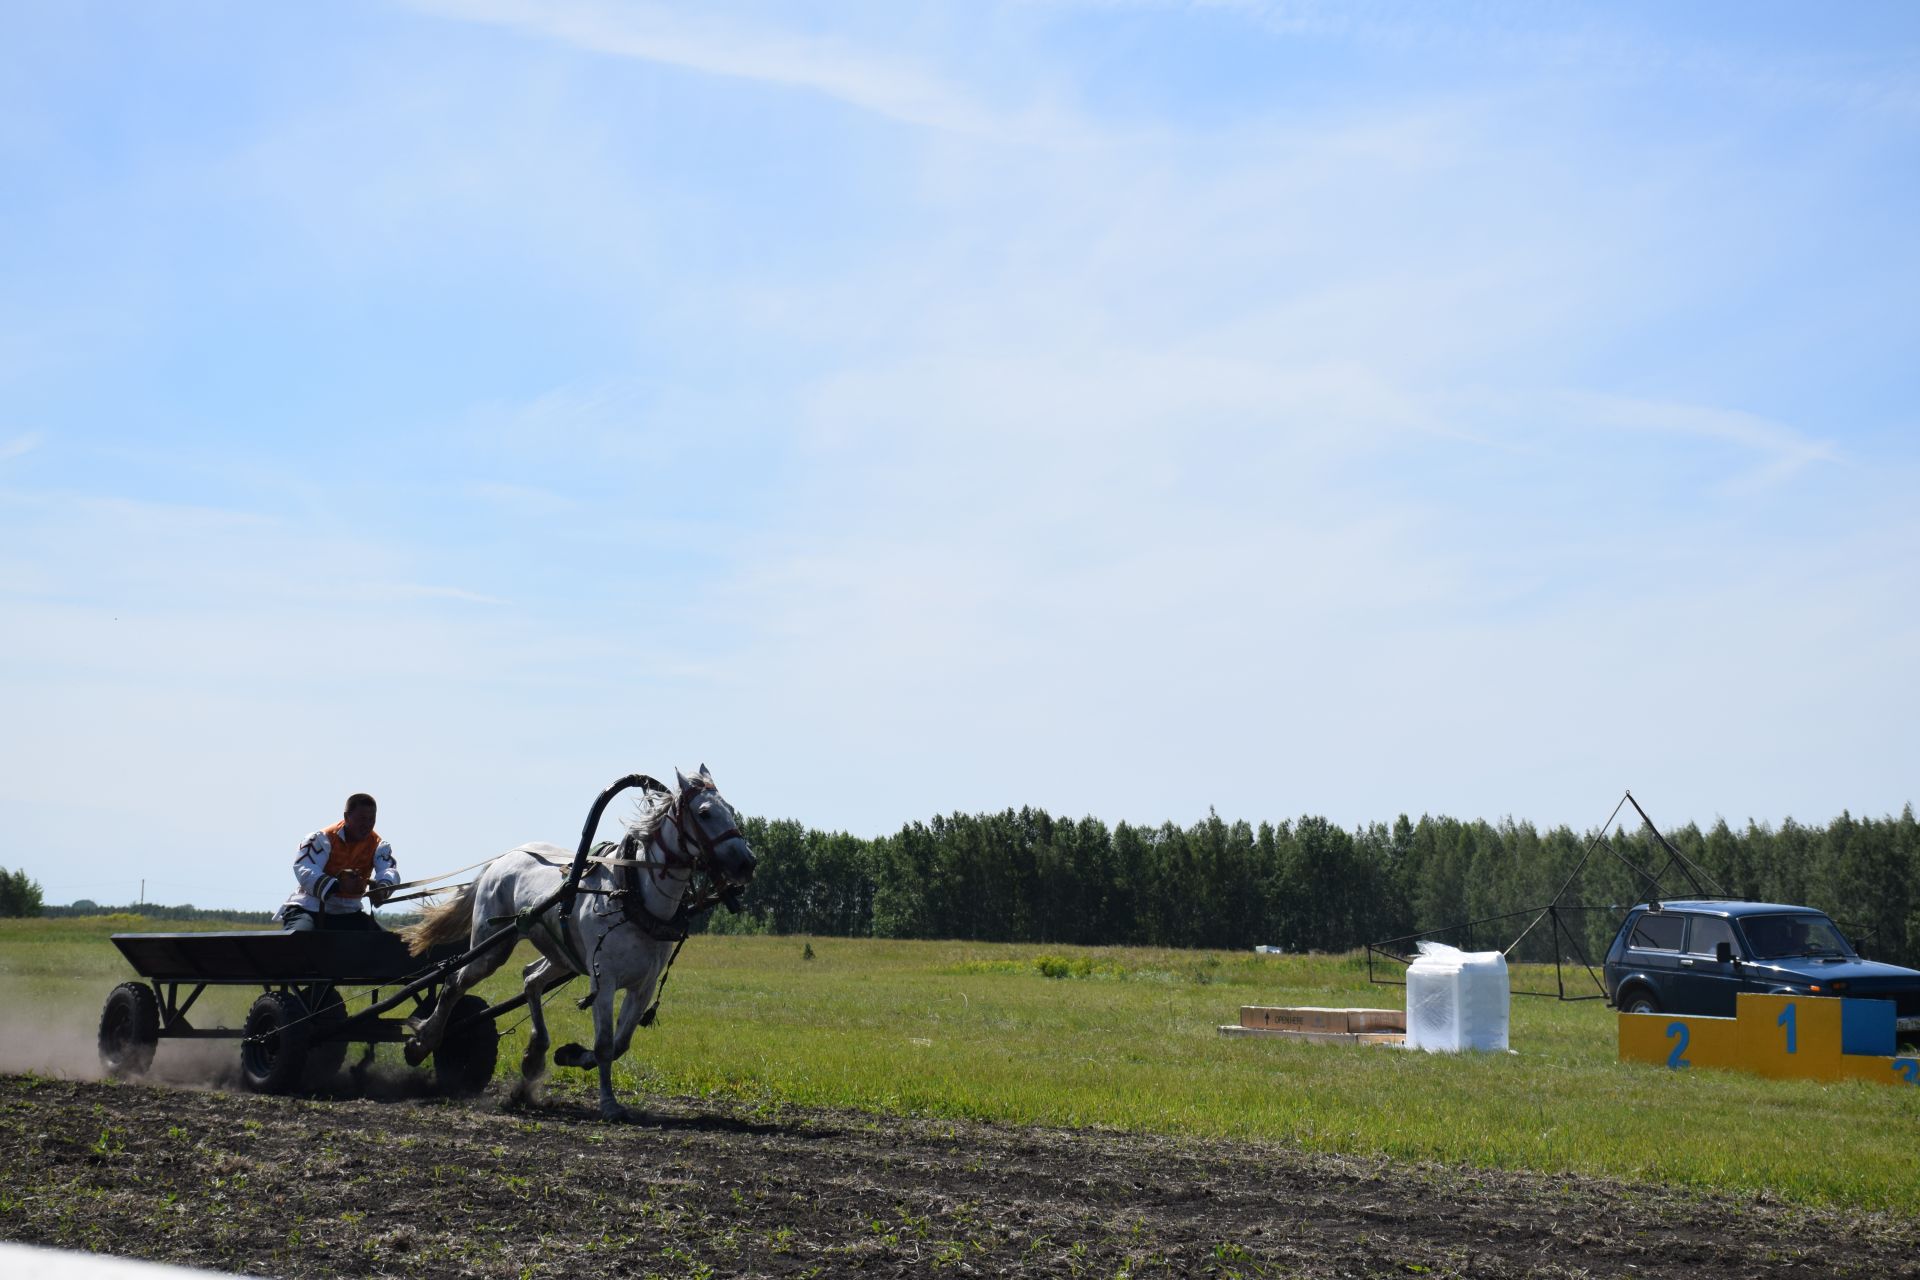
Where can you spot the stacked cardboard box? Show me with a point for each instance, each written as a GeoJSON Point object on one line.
{"type": "Point", "coordinates": [1321, 1026]}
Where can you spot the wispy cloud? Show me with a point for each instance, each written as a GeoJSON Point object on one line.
{"type": "Point", "coordinates": [693, 39]}
{"type": "Point", "coordinates": [1816, 64]}
{"type": "Point", "coordinates": [420, 591]}
{"type": "Point", "coordinates": [1775, 451]}
{"type": "Point", "coordinates": [19, 446]}
{"type": "Point", "coordinates": [525, 498]}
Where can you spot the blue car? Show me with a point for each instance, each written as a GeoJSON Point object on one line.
{"type": "Point", "coordinates": [1694, 956]}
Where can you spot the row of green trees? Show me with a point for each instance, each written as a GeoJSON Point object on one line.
{"type": "Point", "coordinates": [1306, 884]}
{"type": "Point", "coordinates": [156, 911]}
{"type": "Point", "coordinates": [19, 896]}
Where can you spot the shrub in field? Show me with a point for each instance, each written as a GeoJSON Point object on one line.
{"type": "Point", "coordinates": [1058, 966]}
{"type": "Point", "coordinates": [19, 896]}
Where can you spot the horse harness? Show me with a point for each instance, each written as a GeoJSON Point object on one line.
{"type": "Point", "coordinates": [628, 896]}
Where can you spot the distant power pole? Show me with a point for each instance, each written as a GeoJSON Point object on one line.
{"type": "Point", "coordinates": [143, 893]}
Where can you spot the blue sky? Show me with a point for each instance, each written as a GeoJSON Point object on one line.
{"type": "Point", "coordinates": [1119, 407]}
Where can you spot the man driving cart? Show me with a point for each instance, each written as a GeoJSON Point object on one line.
{"type": "Point", "coordinates": [339, 869]}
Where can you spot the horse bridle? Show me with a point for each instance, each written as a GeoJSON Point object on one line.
{"type": "Point", "coordinates": [691, 835]}
{"type": "Point", "coordinates": [708, 845]}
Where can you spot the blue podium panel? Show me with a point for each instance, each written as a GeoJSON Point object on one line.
{"type": "Point", "coordinates": [1866, 1026]}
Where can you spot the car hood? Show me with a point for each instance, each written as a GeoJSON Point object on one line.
{"type": "Point", "coordinates": [1860, 975]}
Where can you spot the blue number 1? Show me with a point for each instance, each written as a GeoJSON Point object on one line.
{"type": "Point", "coordinates": [1787, 1020]}
{"type": "Point", "coordinates": [1678, 1031]}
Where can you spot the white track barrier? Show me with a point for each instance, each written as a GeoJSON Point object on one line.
{"type": "Point", "coordinates": [29, 1263]}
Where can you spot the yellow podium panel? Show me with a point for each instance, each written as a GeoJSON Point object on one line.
{"type": "Point", "coordinates": [1784, 1037]}
{"type": "Point", "coordinates": [1790, 1037]}
{"type": "Point", "coordinates": [1670, 1040]}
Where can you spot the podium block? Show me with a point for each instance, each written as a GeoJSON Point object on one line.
{"type": "Point", "coordinates": [1790, 1037]}
{"type": "Point", "coordinates": [1785, 1037]}
{"type": "Point", "coordinates": [1868, 1026]}
{"type": "Point", "coordinates": [1881, 1070]}
{"type": "Point", "coordinates": [1678, 1042]}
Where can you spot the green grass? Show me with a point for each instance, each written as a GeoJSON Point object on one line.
{"type": "Point", "coordinates": [1125, 1038]}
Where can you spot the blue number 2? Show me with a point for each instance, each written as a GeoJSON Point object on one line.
{"type": "Point", "coordinates": [1791, 1023]}
{"type": "Point", "coordinates": [1677, 1031]}
{"type": "Point", "coordinates": [1907, 1069]}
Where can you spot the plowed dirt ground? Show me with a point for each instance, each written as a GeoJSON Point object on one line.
{"type": "Point", "coordinates": [428, 1187]}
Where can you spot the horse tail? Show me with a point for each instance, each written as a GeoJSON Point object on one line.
{"type": "Point", "coordinates": [451, 921]}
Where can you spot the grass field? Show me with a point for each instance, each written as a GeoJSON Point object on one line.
{"type": "Point", "coordinates": [1127, 1040]}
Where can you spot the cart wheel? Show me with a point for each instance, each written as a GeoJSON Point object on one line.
{"type": "Point", "coordinates": [325, 1055]}
{"type": "Point", "coordinates": [463, 1064]}
{"type": "Point", "coordinates": [273, 1054]}
{"type": "Point", "coordinates": [129, 1030]}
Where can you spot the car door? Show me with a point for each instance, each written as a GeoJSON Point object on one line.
{"type": "Point", "coordinates": [1653, 950]}
{"type": "Point", "coordinates": [1702, 983]}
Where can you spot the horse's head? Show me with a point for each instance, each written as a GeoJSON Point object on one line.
{"type": "Point", "coordinates": [713, 826]}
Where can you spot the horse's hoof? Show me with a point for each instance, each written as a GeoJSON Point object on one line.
{"type": "Point", "coordinates": [416, 1052]}
{"type": "Point", "coordinates": [617, 1114]}
{"type": "Point", "coordinates": [573, 1055]}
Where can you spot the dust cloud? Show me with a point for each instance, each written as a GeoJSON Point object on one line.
{"type": "Point", "coordinates": [34, 1040]}
{"type": "Point", "coordinates": [55, 1043]}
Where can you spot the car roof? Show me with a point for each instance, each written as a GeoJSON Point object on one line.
{"type": "Point", "coordinates": [1730, 907]}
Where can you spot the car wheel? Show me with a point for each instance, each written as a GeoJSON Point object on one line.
{"type": "Point", "coordinates": [1639, 1000]}
{"type": "Point", "coordinates": [464, 1062]}
{"type": "Point", "coordinates": [326, 1055]}
{"type": "Point", "coordinates": [273, 1048]}
{"type": "Point", "coordinates": [129, 1030]}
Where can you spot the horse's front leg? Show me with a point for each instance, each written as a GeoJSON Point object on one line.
{"type": "Point", "coordinates": [603, 1051]}
{"type": "Point", "coordinates": [631, 1008]}
{"type": "Point", "coordinates": [602, 1054]}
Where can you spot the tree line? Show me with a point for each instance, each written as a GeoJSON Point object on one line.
{"type": "Point", "coordinates": [1306, 884]}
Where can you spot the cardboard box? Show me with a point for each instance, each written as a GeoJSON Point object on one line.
{"type": "Point", "coordinates": [1315, 1037]}
{"type": "Point", "coordinates": [1333, 1021]}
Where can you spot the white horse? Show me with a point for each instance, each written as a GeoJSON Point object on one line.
{"type": "Point", "coordinates": [620, 932]}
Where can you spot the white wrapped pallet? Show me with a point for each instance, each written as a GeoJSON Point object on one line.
{"type": "Point", "coordinates": [1457, 1000]}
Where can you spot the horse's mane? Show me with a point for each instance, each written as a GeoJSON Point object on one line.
{"type": "Point", "coordinates": [647, 817]}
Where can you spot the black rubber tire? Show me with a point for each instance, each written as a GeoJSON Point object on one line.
{"type": "Point", "coordinates": [325, 1057]}
{"type": "Point", "coordinates": [464, 1062]}
{"type": "Point", "coordinates": [273, 1054]}
{"type": "Point", "coordinates": [1639, 1000]}
{"type": "Point", "coordinates": [129, 1030]}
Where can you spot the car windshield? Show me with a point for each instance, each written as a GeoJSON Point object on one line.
{"type": "Point", "coordinates": [1776, 937]}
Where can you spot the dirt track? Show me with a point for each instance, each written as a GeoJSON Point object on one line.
{"type": "Point", "coordinates": [431, 1188]}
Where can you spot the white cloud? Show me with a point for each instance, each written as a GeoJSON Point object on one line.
{"type": "Point", "coordinates": [523, 499]}
{"type": "Point", "coordinates": [19, 446]}
{"type": "Point", "coordinates": [693, 39]}
{"type": "Point", "coordinates": [1781, 450]}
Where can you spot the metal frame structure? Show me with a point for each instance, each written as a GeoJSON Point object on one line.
{"type": "Point", "coordinates": [1555, 912]}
